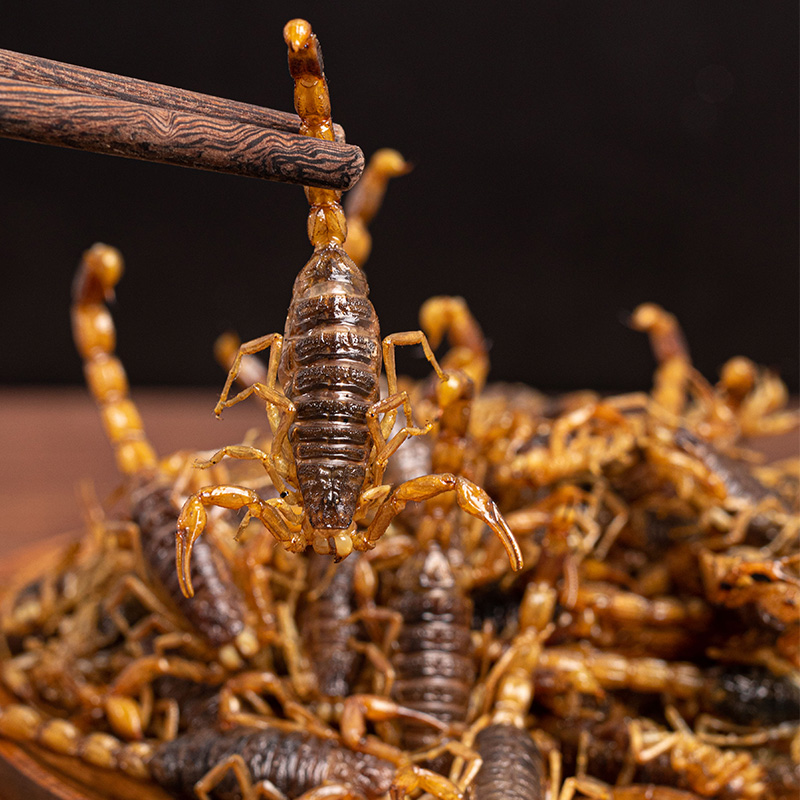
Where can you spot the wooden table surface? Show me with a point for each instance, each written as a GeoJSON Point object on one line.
{"type": "Point", "coordinates": [52, 441]}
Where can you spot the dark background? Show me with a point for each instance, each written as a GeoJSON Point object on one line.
{"type": "Point", "coordinates": [572, 160]}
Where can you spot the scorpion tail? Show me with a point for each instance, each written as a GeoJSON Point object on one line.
{"type": "Point", "coordinates": [326, 221]}
{"type": "Point", "coordinates": [93, 330]}
{"type": "Point", "coordinates": [25, 724]}
{"type": "Point", "coordinates": [364, 200]}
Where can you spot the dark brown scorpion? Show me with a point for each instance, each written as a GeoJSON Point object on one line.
{"type": "Point", "coordinates": [332, 434]}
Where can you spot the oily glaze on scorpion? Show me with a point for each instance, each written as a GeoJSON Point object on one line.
{"type": "Point", "coordinates": [219, 613]}
{"type": "Point", "coordinates": [330, 445]}
{"type": "Point", "coordinates": [293, 762]}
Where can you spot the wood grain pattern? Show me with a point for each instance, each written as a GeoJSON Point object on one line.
{"type": "Point", "coordinates": [51, 115]}
{"type": "Point", "coordinates": [45, 72]}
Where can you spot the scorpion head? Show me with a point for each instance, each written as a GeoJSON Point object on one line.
{"type": "Point", "coordinates": [333, 541]}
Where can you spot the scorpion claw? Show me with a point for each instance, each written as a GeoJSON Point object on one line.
{"type": "Point", "coordinates": [183, 557]}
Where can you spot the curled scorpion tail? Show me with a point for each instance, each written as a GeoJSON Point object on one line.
{"type": "Point", "coordinates": [26, 724]}
{"type": "Point", "coordinates": [365, 198]}
{"type": "Point", "coordinates": [93, 330]}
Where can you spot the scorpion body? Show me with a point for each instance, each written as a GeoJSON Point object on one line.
{"type": "Point", "coordinates": [219, 613]}
{"type": "Point", "coordinates": [332, 434]}
{"type": "Point", "coordinates": [329, 369]}
{"type": "Point", "coordinates": [433, 660]}
{"type": "Point", "coordinates": [326, 629]}
{"type": "Point", "coordinates": [294, 762]}
{"type": "Point", "coordinates": [512, 769]}
{"type": "Point", "coordinates": [218, 610]}
{"type": "Point", "coordinates": [703, 768]}
{"type": "Point", "coordinates": [752, 695]}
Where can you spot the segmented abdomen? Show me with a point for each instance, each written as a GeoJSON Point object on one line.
{"type": "Point", "coordinates": [294, 762]}
{"type": "Point", "coordinates": [325, 630]}
{"type": "Point", "coordinates": [433, 660]}
{"type": "Point", "coordinates": [512, 767]}
{"type": "Point", "coordinates": [329, 369]}
{"type": "Point", "coordinates": [217, 610]}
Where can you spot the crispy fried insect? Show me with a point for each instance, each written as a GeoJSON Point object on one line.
{"type": "Point", "coordinates": [332, 632]}
{"type": "Point", "coordinates": [512, 769]}
{"type": "Point", "coordinates": [293, 763]}
{"type": "Point", "coordinates": [743, 577]}
{"type": "Point", "coordinates": [584, 442]}
{"type": "Point", "coordinates": [751, 695]}
{"type": "Point", "coordinates": [330, 446]}
{"type": "Point", "coordinates": [587, 669]}
{"type": "Point", "coordinates": [747, 401]}
{"type": "Point", "coordinates": [365, 198]}
{"type": "Point", "coordinates": [603, 742]}
{"type": "Point", "coordinates": [674, 371]}
{"type": "Point", "coordinates": [753, 509]}
{"type": "Point", "coordinates": [566, 527]}
{"type": "Point", "coordinates": [708, 770]}
{"type": "Point", "coordinates": [433, 660]}
{"type": "Point", "coordinates": [219, 613]}
{"type": "Point", "coordinates": [757, 397]}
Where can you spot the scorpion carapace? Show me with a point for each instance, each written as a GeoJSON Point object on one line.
{"type": "Point", "coordinates": [332, 432]}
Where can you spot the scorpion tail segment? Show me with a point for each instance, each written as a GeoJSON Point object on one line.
{"type": "Point", "coordinates": [326, 221]}
{"type": "Point", "coordinates": [364, 200]}
{"type": "Point", "coordinates": [666, 336]}
{"type": "Point", "coordinates": [26, 724]}
{"type": "Point", "coordinates": [311, 98]}
{"type": "Point", "coordinates": [93, 330]}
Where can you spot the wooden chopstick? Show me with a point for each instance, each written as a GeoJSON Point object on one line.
{"type": "Point", "coordinates": [61, 104]}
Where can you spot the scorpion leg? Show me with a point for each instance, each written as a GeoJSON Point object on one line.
{"type": "Point", "coordinates": [359, 708]}
{"type": "Point", "coordinates": [389, 344]}
{"type": "Point", "coordinates": [251, 369]}
{"type": "Point", "coordinates": [471, 498]}
{"type": "Point", "coordinates": [469, 352]}
{"type": "Point", "coordinates": [250, 791]}
{"type": "Point", "coordinates": [192, 522]}
{"type": "Point", "coordinates": [250, 453]}
{"type": "Point", "coordinates": [256, 378]}
{"type": "Point", "coordinates": [273, 341]}
{"type": "Point", "coordinates": [133, 586]}
{"type": "Point", "coordinates": [254, 684]}
{"type": "Point", "coordinates": [409, 777]}
{"type": "Point", "coordinates": [386, 449]}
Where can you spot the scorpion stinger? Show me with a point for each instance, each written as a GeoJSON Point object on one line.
{"type": "Point", "coordinates": [332, 432]}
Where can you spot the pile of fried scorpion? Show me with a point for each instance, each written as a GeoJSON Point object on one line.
{"type": "Point", "coordinates": [523, 596]}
